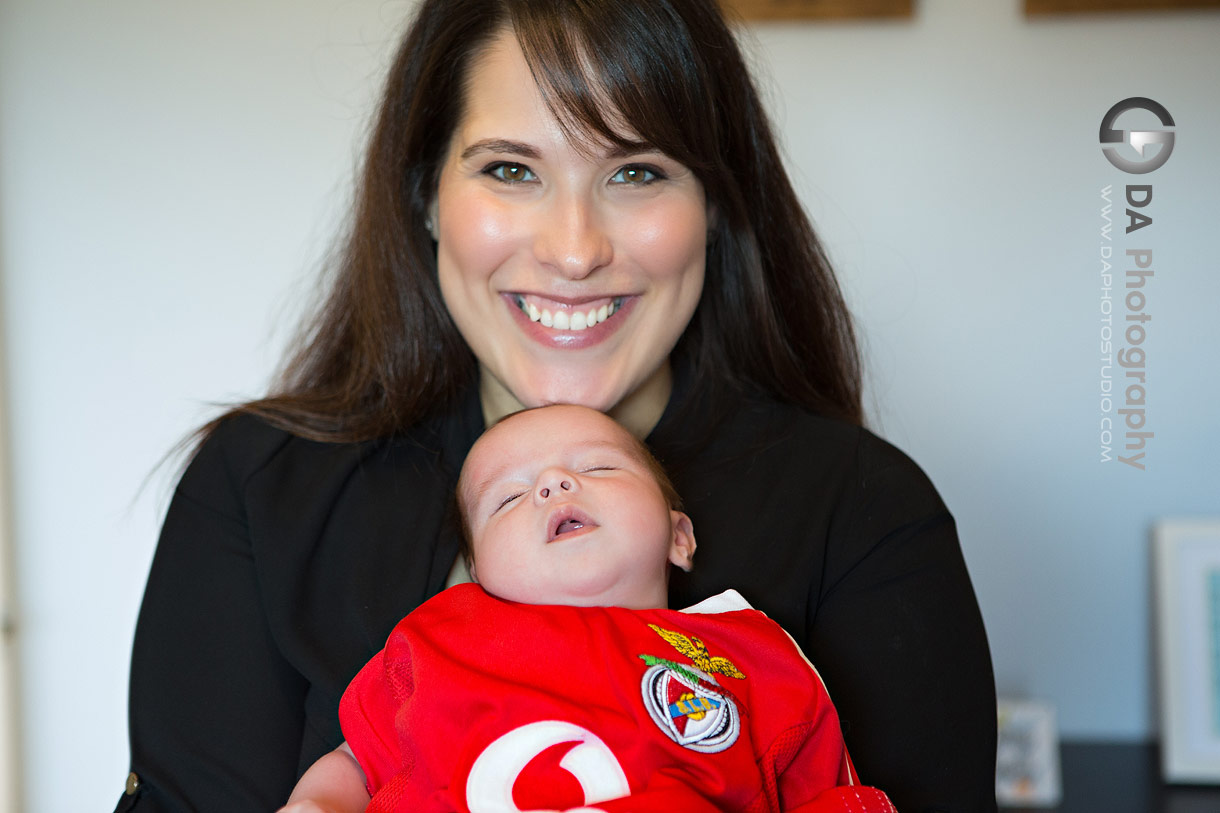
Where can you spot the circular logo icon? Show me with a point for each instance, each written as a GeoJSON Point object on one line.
{"type": "Point", "coordinates": [1138, 139]}
{"type": "Point", "coordinates": [690, 712]}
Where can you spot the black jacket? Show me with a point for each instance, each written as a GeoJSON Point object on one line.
{"type": "Point", "coordinates": [284, 564]}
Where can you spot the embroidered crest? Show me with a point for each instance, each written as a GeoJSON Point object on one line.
{"type": "Point", "coordinates": [685, 701]}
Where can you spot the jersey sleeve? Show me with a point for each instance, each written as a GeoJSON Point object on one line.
{"type": "Point", "coordinates": [800, 749]}
{"type": "Point", "coordinates": [849, 799]}
{"type": "Point", "coordinates": [215, 710]}
{"type": "Point", "coordinates": [790, 766]}
{"type": "Point", "coordinates": [367, 714]}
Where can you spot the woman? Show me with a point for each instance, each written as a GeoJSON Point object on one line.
{"type": "Point", "coordinates": [562, 201]}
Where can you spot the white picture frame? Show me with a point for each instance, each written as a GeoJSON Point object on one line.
{"type": "Point", "coordinates": [1187, 571]}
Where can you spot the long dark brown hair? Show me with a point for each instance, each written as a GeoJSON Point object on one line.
{"type": "Point", "coordinates": [382, 352]}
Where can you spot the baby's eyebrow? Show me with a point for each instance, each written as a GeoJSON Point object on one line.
{"type": "Point", "coordinates": [479, 489]}
{"type": "Point", "coordinates": [612, 446]}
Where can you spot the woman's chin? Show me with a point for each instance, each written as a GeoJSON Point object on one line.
{"type": "Point", "coordinates": [607, 388]}
{"type": "Point", "coordinates": [596, 394]}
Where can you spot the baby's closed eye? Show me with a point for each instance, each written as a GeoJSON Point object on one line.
{"type": "Point", "coordinates": [507, 500]}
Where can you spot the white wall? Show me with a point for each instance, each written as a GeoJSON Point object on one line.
{"type": "Point", "coordinates": [953, 164]}
{"type": "Point", "coordinates": [9, 745]}
{"type": "Point", "coordinates": [171, 172]}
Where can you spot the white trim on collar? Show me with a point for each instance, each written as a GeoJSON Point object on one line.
{"type": "Point", "coordinates": [725, 602]}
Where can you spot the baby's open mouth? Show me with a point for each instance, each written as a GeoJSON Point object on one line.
{"type": "Point", "coordinates": [567, 522]}
{"type": "Point", "coordinates": [568, 525]}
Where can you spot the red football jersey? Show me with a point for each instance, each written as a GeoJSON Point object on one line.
{"type": "Point", "coordinates": [488, 706]}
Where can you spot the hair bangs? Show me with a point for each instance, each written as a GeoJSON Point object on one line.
{"type": "Point", "coordinates": [642, 88]}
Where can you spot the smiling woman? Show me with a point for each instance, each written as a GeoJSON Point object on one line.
{"type": "Point", "coordinates": [561, 202]}
{"type": "Point", "coordinates": [529, 222]}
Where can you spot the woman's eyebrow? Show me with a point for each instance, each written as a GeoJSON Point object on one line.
{"type": "Point", "coordinates": [501, 145]}
{"type": "Point", "coordinates": [504, 145]}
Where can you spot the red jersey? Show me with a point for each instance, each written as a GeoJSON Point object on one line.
{"type": "Point", "coordinates": [481, 705]}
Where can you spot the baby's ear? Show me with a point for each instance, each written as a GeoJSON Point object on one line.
{"type": "Point", "coordinates": [682, 546]}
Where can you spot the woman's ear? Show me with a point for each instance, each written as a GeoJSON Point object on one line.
{"type": "Point", "coordinates": [430, 220]}
{"type": "Point", "coordinates": [682, 544]}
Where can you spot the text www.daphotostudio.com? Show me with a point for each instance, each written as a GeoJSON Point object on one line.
{"type": "Point", "coordinates": [1122, 337]}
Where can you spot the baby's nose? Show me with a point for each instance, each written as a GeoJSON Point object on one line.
{"type": "Point", "coordinates": [563, 484]}
{"type": "Point", "coordinates": [553, 482]}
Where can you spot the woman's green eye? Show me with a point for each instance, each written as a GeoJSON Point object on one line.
{"type": "Point", "coordinates": [635, 175]}
{"type": "Point", "coordinates": [510, 173]}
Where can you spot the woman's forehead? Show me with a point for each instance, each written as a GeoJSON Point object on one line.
{"type": "Point", "coordinates": [499, 82]}
{"type": "Point", "coordinates": [501, 91]}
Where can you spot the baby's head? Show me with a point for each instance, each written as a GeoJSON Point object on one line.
{"type": "Point", "coordinates": [561, 505]}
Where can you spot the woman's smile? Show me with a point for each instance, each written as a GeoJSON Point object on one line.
{"type": "Point", "coordinates": [577, 316]}
{"type": "Point", "coordinates": [570, 325]}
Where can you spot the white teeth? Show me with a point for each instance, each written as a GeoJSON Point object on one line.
{"type": "Point", "coordinates": [563, 320]}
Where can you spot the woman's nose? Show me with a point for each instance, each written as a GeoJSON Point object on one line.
{"type": "Point", "coordinates": [571, 239]}
{"type": "Point", "coordinates": [554, 483]}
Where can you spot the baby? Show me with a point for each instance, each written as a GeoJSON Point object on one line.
{"type": "Point", "coordinates": [559, 681]}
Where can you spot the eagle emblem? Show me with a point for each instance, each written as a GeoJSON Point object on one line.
{"type": "Point", "coordinates": [685, 701]}
{"type": "Point", "coordinates": [695, 649]}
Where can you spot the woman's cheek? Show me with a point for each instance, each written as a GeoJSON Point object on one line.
{"type": "Point", "coordinates": [669, 241]}
{"type": "Point", "coordinates": [488, 234]}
